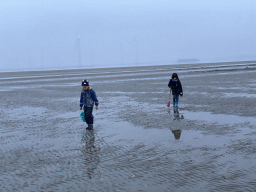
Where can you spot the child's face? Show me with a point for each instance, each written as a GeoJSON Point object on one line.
{"type": "Point", "coordinates": [85, 88]}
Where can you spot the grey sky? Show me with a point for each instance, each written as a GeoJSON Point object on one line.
{"type": "Point", "coordinates": [44, 34]}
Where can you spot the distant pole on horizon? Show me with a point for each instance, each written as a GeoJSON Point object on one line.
{"type": "Point", "coordinates": [79, 53]}
{"type": "Point", "coordinates": [92, 57]}
{"type": "Point", "coordinates": [29, 58]}
{"type": "Point", "coordinates": [122, 52]}
{"type": "Point", "coordinates": [42, 58]}
{"type": "Point", "coordinates": [136, 51]}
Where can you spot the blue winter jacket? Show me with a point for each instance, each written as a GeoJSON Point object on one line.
{"type": "Point", "coordinates": [88, 98]}
{"type": "Point", "coordinates": [176, 86]}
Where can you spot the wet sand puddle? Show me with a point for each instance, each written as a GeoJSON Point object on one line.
{"type": "Point", "coordinates": [240, 95]}
{"type": "Point", "coordinates": [219, 161]}
{"type": "Point", "coordinates": [197, 161]}
{"type": "Point", "coordinates": [119, 156]}
{"type": "Point", "coordinates": [137, 144]}
{"type": "Point", "coordinates": [145, 158]}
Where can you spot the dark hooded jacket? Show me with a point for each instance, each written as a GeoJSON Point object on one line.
{"type": "Point", "coordinates": [176, 86]}
{"type": "Point", "coordinates": [88, 98]}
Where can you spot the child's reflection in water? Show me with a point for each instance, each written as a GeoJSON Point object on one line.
{"type": "Point", "coordinates": [176, 116]}
{"type": "Point", "coordinates": [176, 133]}
{"type": "Point", "coordinates": [91, 153]}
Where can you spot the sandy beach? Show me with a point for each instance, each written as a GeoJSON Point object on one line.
{"type": "Point", "coordinates": [138, 143]}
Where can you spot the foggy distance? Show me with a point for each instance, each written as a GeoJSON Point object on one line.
{"type": "Point", "coordinates": [39, 35]}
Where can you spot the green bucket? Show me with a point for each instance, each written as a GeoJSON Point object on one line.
{"type": "Point", "coordinates": [82, 116]}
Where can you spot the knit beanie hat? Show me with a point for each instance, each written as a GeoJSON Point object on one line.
{"type": "Point", "coordinates": [175, 75]}
{"type": "Point", "coordinates": [85, 83]}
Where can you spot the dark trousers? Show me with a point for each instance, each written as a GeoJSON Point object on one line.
{"type": "Point", "coordinates": [88, 115]}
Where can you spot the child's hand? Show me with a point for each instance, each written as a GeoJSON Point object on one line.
{"type": "Point", "coordinates": [97, 107]}
{"type": "Point", "coordinates": [80, 108]}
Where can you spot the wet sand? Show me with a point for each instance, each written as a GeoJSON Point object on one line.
{"type": "Point", "coordinates": [138, 143]}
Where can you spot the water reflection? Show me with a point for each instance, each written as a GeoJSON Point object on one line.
{"type": "Point", "coordinates": [176, 133]}
{"type": "Point", "coordinates": [176, 117]}
{"type": "Point", "coordinates": [91, 152]}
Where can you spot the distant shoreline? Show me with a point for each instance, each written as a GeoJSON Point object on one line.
{"type": "Point", "coordinates": [139, 66]}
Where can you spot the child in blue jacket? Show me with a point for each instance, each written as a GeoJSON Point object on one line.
{"type": "Point", "coordinates": [176, 88]}
{"type": "Point", "coordinates": [87, 99]}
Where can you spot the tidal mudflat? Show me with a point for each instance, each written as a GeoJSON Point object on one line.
{"type": "Point", "coordinates": [138, 143]}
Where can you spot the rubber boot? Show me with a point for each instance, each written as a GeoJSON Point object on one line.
{"type": "Point", "coordinates": [90, 127]}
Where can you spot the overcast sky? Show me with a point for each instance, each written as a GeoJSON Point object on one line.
{"type": "Point", "coordinates": [66, 33]}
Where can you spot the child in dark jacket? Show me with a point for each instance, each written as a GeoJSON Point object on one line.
{"type": "Point", "coordinates": [87, 99]}
{"type": "Point", "coordinates": [176, 88]}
